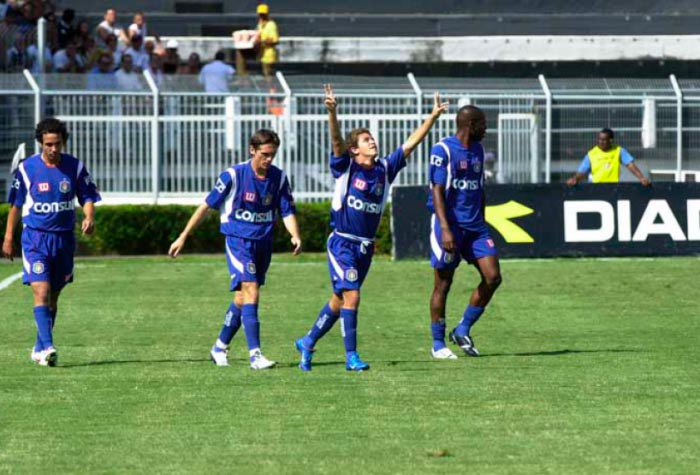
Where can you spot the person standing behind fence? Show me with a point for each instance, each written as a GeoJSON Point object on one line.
{"type": "Point", "coordinates": [43, 194]}
{"type": "Point", "coordinates": [216, 76]}
{"type": "Point", "coordinates": [248, 196]}
{"type": "Point", "coordinates": [268, 38]}
{"type": "Point", "coordinates": [602, 162]}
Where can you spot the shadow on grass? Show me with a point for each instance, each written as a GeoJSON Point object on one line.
{"type": "Point", "coordinates": [111, 362]}
{"type": "Point", "coordinates": [560, 352]}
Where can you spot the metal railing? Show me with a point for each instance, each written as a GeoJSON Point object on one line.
{"type": "Point", "coordinates": [163, 140]}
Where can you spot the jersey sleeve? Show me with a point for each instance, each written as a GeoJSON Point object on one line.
{"type": "Point", "coordinates": [395, 162]}
{"type": "Point", "coordinates": [439, 162]}
{"type": "Point", "coordinates": [87, 190]}
{"type": "Point", "coordinates": [340, 165]}
{"type": "Point", "coordinates": [225, 185]}
{"type": "Point", "coordinates": [286, 201]}
{"type": "Point", "coordinates": [585, 167]}
{"type": "Point", "coordinates": [625, 157]}
{"type": "Point", "coordinates": [18, 192]}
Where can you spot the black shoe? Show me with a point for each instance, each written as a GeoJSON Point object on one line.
{"type": "Point", "coordinates": [465, 342]}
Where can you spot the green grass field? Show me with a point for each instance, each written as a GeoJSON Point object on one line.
{"type": "Point", "coordinates": [588, 366]}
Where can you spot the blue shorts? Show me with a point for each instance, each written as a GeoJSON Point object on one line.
{"type": "Point", "coordinates": [471, 245]}
{"type": "Point", "coordinates": [248, 260]}
{"type": "Point", "coordinates": [48, 257]}
{"type": "Point", "coordinates": [348, 262]}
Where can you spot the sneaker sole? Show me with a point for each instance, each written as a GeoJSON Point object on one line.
{"type": "Point", "coordinates": [263, 368]}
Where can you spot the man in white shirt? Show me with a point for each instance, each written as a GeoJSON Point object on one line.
{"type": "Point", "coordinates": [216, 76]}
{"type": "Point", "coordinates": [139, 27]}
{"type": "Point", "coordinates": [109, 27]}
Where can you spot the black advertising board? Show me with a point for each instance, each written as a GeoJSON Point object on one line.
{"type": "Point", "coordinates": [543, 220]}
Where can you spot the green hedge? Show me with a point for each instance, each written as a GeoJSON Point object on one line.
{"type": "Point", "coordinates": [148, 229]}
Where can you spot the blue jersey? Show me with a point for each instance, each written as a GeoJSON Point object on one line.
{"type": "Point", "coordinates": [47, 193]}
{"type": "Point", "coordinates": [461, 171]}
{"type": "Point", "coordinates": [361, 193]}
{"type": "Point", "coordinates": [247, 203]}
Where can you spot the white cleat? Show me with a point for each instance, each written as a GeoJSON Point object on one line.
{"type": "Point", "coordinates": [443, 354]}
{"type": "Point", "coordinates": [45, 357]}
{"type": "Point", "coordinates": [258, 361]}
{"type": "Point", "coordinates": [219, 358]}
{"type": "Point", "coordinates": [36, 356]}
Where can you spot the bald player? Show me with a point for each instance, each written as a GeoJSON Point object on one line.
{"type": "Point", "coordinates": [458, 229]}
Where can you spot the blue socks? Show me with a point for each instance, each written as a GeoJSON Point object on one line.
{"type": "Point", "coordinates": [348, 320]}
{"type": "Point", "coordinates": [325, 321]}
{"type": "Point", "coordinates": [471, 315]}
{"type": "Point", "coordinates": [232, 323]}
{"type": "Point", "coordinates": [42, 317]}
{"type": "Point", "coordinates": [438, 331]}
{"type": "Point", "coordinates": [251, 325]}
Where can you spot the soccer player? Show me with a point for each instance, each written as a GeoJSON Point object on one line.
{"type": "Point", "coordinates": [362, 183]}
{"type": "Point", "coordinates": [458, 228]}
{"type": "Point", "coordinates": [43, 193]}
{"type": "Point", "coordinates": [247, 195]}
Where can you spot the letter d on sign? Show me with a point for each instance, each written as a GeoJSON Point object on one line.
{"type": "Point", "coordinates": [607, 221]}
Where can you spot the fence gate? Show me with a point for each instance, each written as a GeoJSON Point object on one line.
{"type": "Point", "coordinates": [517, 148]}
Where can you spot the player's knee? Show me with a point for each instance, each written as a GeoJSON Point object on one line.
{"type": "Point", "coordinates": [493, 280]}
{"type": "Point", "coordinates": [442, 287]}
{"type": "Point", "coordinates": [250, 292]}
{"type": "Point", "coordinates": [351, 299]}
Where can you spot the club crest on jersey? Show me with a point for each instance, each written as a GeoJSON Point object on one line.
{"type": "Point", "coordinates": [250, 196]}
{"type": "Point", "coordinates": [462, 165]}
{"type": "Point", "coordinates": [360, 184]}
{"type": "Point", "coordinates": [250, 267]}
{"type": "Point", "coordinates": [38, 268]}
{"type": "Point", "coordinates": [267, 200]}
{"type": "Point", "coordinates": [351, 275]}
{"type": "Point", "coordinates": [43, 187]}
{"type": "Point", "coordinates": [379, 190]}
{"type": "Point", "coordinates": [15, 184]}
{"type": "Point", "coordinates": [64, 186]}
{"type": "Point", "coordinates": [476, 165]}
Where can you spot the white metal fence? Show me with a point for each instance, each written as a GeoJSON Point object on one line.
{"type": "Point", "coordinates": [162, 140]}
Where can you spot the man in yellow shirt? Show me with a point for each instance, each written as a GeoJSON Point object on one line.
{"type": "Point", "coordinates": [268, 38]}
{"type": "Point", "coordinates": [603, 162]}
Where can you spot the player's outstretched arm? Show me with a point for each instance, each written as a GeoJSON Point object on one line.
{"type": "Point", "coordinates": [12, 220]}
{"type": "Point", "coordinates": [337, 141]}
{"type": "Point", "coordinates": [195, 220]}
{"type": "Point", "coordinates": [419, 134]}
{"type": "Point", "coordinates": [290, 222]}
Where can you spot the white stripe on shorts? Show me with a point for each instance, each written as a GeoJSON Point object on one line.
{"type": "Point", "coordinates": [236, 263]}
{"type": "Point", "coordinates": [434, 245]}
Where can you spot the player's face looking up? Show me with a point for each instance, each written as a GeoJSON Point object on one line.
{"type": "Point", "coordinates": [366, 146]}
{"type": "Point", "coordinates": [604, 141]}
{"type": "Point", "coordinates": [262, 157]}
{"type": "Point", "coordinates": [51, 146]}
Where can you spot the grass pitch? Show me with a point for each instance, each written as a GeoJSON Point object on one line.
{"type": "Point", "coordinates": [588, 366]}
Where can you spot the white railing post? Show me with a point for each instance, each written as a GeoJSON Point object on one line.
{"type": "Point", "coordinates": [419, 95]}
{"type": "Point", "coordinates": [37, 101]}
{"type": "Point", "coordinates": [41, 43]}
{"type": "Point", "coordinates": [289, 137]}
{"type": "Point", "coordinates": [548, 129]}
{"type": "Point", "coordinates": [679, 126]}
{"type": "Point", "coordinates": [155, 136]}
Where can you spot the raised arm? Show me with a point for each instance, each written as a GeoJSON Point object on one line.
{"type": "Point", "coordinates": [419, 134]}
{"type": "Point", "coordinates": [337, 141]}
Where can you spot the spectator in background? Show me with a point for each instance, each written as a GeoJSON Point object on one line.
{"type": "Point", "coordinates": [268, 38]}
{"type": "Point", "coordinates": [16, 55]}
{"type": "Point", "coordinates": [114, 48]}
{"type": "Point", "coordinates": [138, 53]}
{"type": "Point", "coordinates": [89, 52]}
{"type": "Point", "coordinates": [151, 48]}
{"type": "Point", "coordinates": [156, 69]}
{"type": "Point", "coordinates": [101, 77]}
{"type": "Point", "coordinates": [127, 78]}
{"type": "Point", "coordinates": [139, 27]}
{"type": "Point", "coordinates": [68, 60]}
{"type": "Point", "coordinates": [109, 27]}
{"type": "Point", "coordinates": [33, 59]}
{"type": "Point", "coordinates": [82, 33]}
{"type": "Point", "coordinates": [603, 162]}
{"type": "Point", "coordinates": [171, 60]}
{"type": "Point", "coordinates": [65, 28]}
{"type": "Point", "coordinates": [193, 65]}
{"type": "Point", "coordinates": [216, 76]}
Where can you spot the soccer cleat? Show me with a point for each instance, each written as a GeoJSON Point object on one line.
{"type": "Point", "coordinates": [443, 354]}
{"type": "Point", "coordinates": [219, 357]}
{"type": "Point", "coordinates": [258, 361]}
{"type": "Point", "coordinates": [465, 342]}
{"type": "Point", "coordinates": [354, 363]}
{"type": "Point", "coordinates": [36, 356]}
{"type": "Point", "coordinates": [306, 355]}
{"type": "Point", "coordinates": [47, 357]}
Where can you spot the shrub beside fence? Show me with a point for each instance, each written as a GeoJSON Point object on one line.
{"type": "Point", "coordinates": [147, 229]}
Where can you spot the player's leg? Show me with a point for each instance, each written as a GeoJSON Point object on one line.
{"type": "Point", "coordinates": [231, 325]}
{"type": "Point", "coordinates": [444, 265]}
{"type": "Point", "coordinates": [254, 274]}
{"type": "Point", "coordinates": [482, 254]}
{"type": "Point", "coordinates": [42, 316]}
